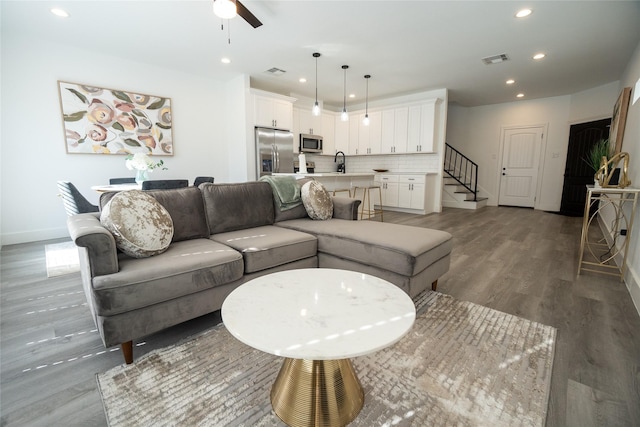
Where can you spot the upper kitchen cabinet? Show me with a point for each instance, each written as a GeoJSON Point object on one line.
{"type": "Point", "coordinates": [274, 111]}
{"type": "Point", "coordinates": [342, 135]}
{"type": "Point", "coordinates": [421, 127]}
{"type": "Point", "coordinates": [370, 136]}
{"type": "Point", "coordinates": [309, 124]}
{"type": "Point", "coordinates": [328, 134]}
{"type": "Point", "coordinates": [394, 130]}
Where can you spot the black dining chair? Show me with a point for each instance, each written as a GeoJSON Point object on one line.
{"type": "Point", "coordinates": [200, 179]}
{"type": "Point", "coordinates": [113, 181]}
{"type": "Point", "coordinates": [164, 184]}
{"type": "Point", "coordinates": [74, 202]}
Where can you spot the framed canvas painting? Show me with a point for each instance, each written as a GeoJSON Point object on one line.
{"type": "Point", "coordinates": [619, 119]}
{"type": "Point", "coordinates": [107, 121]}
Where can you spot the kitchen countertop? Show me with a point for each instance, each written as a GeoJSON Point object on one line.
{"type": "Point", "coordinates": [328, 174]}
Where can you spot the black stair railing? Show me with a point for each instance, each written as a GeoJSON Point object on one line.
{"type": "Point", "coordinates": [462, 169]}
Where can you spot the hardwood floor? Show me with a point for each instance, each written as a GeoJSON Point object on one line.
{"type": "Point", "coordinates": [519, 261]}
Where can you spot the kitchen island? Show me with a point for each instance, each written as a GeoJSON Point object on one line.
{"type": "Point", "coordinates": [337, 180]}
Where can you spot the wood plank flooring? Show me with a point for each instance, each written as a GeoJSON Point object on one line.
{"type": "Point", "coordinates": [519, 261]}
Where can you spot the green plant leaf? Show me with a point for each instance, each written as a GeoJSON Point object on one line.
{"type": "Point", "coordinates": [79, 95]}
{"type": "Point", "coordinates": [74, 117]}
{"type": "Point", "coordinates": [132, 142]}
{"type": "Point", "coordinates": [160, 125]}
{"type": "Point", "coordinates": [156, 105]}
{"type": "Point", "coordinates": [118, 126]}
{"type": "Point", "coordinates": [121, 95]}
{"type": "Point", "coordinates": [161, 137]}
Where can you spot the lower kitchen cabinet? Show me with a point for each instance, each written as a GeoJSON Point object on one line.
{"type": "Point", "coordinates": [389, 188]}
{"type": "Point", "coordinates": [402, 191]}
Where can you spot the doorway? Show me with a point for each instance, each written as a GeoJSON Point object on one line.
{"type": "Point", "coordinates": [521, 149]}
{"type": "Point", "coordinates": [578, 173]}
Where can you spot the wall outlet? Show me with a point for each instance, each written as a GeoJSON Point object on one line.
{"type": "Point", "coordinates": [623, 232]}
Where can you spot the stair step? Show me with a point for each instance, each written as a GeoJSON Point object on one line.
{"type": "Point", "coordinates": [478, 199]}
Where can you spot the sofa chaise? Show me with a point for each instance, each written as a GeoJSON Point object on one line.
{"type": "Point", "coordinates": [227, 234]}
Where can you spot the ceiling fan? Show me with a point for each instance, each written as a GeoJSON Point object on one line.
{"type": "Point", "coordinates": [227, 9]}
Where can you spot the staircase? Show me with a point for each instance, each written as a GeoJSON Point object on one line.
{"type": "Point", "coordinates": [460, 181]}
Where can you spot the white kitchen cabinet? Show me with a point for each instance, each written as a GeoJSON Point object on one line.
{"type": "Point", "coordinates": [411, 191]}
{"type": "Point", "coordinates": [308, 123]}
{"type": "Point", "coordinates": [328, 134]}
{"type": "Point", "coordinates": [273, 112]}
{"type": "Point", "coordinates": [421, 128]}
{"type": "Point", "coordinates": [394, 130]}
{"type": "Point", "coordinates": [342, 135]}
{"type": "Point", "coordinates": [370, 136]}
{"type": "Point", "coordinates": [354, 135]}
{"type": "Point", "coordinates": [389, 187]}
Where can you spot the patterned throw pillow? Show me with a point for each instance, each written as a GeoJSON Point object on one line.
{"type": "Point", "coordinates": [316, 200]}
{"type": "Point", "coordinates": [139, 224]}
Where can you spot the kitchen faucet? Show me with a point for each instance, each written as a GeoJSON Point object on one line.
{"type": "Point", "coordinates": [341, 166]}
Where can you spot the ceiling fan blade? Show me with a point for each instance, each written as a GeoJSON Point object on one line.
{"type": "Point", "coordinates": [247, 16]}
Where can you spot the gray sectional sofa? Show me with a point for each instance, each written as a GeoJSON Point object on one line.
{"type": "Point", "coordinates": [227, 234]}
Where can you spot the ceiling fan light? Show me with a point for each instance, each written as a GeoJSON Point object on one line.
{"type": "Point", "coordinates": [316, 109]}
{"type": "Point", "coordinates": [225, 9]}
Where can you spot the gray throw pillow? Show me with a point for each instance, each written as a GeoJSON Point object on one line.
{"type": "Point", "coordinates": [316, 200]}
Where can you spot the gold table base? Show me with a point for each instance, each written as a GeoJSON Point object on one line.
{"type": "Point", "coordinates": [314, 393]}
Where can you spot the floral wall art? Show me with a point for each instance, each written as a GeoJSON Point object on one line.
{"type": "Point", "coordinates": [106, 121]}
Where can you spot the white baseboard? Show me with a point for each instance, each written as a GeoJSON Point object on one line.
{"type": "Point", "coordinates": [34, 236]}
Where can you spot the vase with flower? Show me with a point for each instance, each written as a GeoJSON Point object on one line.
{"type": "Point", "coordinates": [143, 165]}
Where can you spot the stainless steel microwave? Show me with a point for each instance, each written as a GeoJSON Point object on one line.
{"type": "Point", "coordinates": [310, 143]}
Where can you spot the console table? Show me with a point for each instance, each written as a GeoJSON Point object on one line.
{"type": "Point", "coordinates": [598, 254]}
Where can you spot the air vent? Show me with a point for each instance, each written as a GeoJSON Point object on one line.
{"type": "Point", "coordinates": [275, 71]}
{"type": "Point", "coordinates": [495, 59]}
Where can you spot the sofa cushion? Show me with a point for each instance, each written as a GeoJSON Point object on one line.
{"type": "Point", "coordinates": [402, 249]}
{"type": "Point", "coordinates": [317, 200]}
{"type": "Point", "coordinates": [268, 246]}
{"type": "Point", "coordinates": [231, 207]}
{"type": "Point", "coordinates": [186, 207]}
{"type": "Point", "coordinates": [186, 267]}
{"type": "Point", "coordinates": [140, 225]}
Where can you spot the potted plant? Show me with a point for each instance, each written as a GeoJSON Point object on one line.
{"type": "Point", "coordinates": [601, 149]}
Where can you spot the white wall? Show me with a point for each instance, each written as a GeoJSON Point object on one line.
{"type": "Point", "coordinates": [631, 145]}
{"type": "Point", "coordinates": [476, 132]}
{"type": "Point", "coordinates": [33, 155]}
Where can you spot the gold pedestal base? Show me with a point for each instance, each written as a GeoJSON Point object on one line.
{"type": "Point", "coordinates": [313, 393]}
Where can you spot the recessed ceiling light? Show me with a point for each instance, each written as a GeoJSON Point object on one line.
{"type": "Point", "coordinates": [225, 61]}
{"type": "Point", "coordinates": [520, 95]}
{"type": "Point", "coordinates": [302, 80]}
{"type": "Point", "coordinates": [524, 12]}
{"type": "Point", "coordinates": [353, 95]}
{"type": "Point", "coordinates": [539, 56]}
{"type": "Point", "coordinates": [510, 81]}
{"type": "Point", "coordinates": [60, 12]}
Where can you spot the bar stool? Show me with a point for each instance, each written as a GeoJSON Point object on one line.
{"type": "Point", "coordinates": [366, 201]}
{"type": "Point", "coordinates": [342, 190]}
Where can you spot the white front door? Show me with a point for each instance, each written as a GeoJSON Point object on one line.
{"type": "Point", "coordinates": [521, 148]}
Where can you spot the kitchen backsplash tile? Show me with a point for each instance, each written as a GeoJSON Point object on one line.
{"type": "Point", "coordinates": [395, 163]}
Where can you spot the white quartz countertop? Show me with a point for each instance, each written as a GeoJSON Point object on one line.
{"type": "Point", "coordinates": [318, 313]}
{"type": "Point", "coordinates": [328, 174]}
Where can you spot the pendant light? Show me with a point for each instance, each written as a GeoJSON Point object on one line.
{"type": "Point", "coordinates": [316, 106]}
{"type": "Point", "coordinates": [365, 121]}
{"type": "Point", "coordinates": [225, 9]}
{"type": "Point", "coordinates": [345, 116]}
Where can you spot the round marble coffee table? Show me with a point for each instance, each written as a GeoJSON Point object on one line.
{"type": "Point", "coordinates": [317, 319]}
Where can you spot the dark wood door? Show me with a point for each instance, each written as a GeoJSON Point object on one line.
{"type": "Point", "coordinates": [578, 173]}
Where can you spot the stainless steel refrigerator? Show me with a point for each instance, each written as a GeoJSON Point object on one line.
{"type": "Point", "coordinates": [274, 151]}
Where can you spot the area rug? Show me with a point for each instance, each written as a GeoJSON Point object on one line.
{"type": "Point", "coordinates": [461, 364]}
{"type": "Point", "coordinates": [62, 258]}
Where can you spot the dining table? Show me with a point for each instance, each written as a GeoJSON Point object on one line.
{"type": "Point", "coordinates": [116, 187]}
